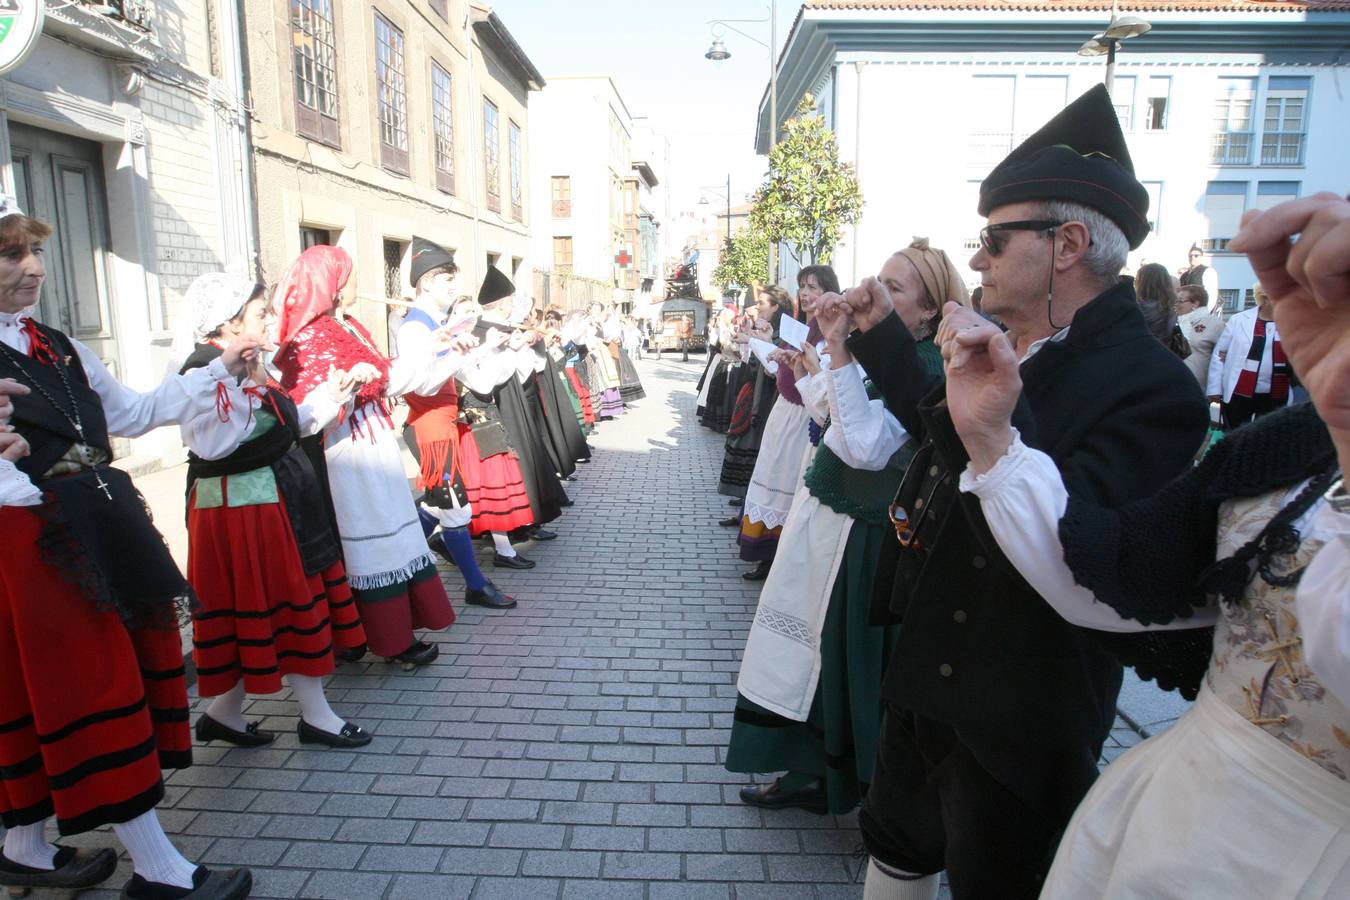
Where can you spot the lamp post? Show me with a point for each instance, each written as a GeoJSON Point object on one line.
{"type": "Point", "coordinates": [1122, 28]}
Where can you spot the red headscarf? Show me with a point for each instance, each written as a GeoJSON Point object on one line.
{"type": "Point", "coordinates": [310, 288]}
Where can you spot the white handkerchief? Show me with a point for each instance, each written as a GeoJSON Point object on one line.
{"type": "Point", "coordinates": [762, 349]}
{"type": "Point", "coordinates": [792, 331]}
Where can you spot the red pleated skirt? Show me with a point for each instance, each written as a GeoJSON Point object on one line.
{"type": "Point", "coordinates": [583, 394]}
{"type": "Point", "coordinates": [261, 616]}
{"type": "Point", "coordinates": [89, 711]}
{"type": "Point", "coordinates": [494, 487]}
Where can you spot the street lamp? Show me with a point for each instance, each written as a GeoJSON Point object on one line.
{"type": "Point", "coordinates": [1122, 28]}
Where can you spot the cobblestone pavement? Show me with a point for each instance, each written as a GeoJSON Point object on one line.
{"type": "Point", "coordinates": [570, 748]}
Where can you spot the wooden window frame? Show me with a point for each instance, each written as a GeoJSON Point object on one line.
{"type": "Point", "coordinates": [515, 137]}
{"type": "Point", "coordinates": [312, 121]}
{"type": "Point", "coordinates": [443, 118]}
{"type": "Point", "coordinates": [492, 162]}
{"type": "Point", "coordinates": [561, 200]}
{"type": "Point", "coordinates": [391, 94]}
{"type": "Point", "coordinates": [559, 265]}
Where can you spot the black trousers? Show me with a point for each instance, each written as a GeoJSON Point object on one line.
{"type": "Point", "coordinates": [932, 806]}
{"type": "Point", "coordinates": [1241, 410]}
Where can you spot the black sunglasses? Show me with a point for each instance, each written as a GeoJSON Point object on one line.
{"type": "Point", "coordinates": [993, 238]}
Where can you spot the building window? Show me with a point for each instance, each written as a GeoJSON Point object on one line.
{"type": "Point", "coordinates": [517, 171]}
{"type": "Point", "coordinates": [1122, 97]}
{"type": "Point", "coordinates": [393, 269]}
{"type": "Point", "coordinates": [1154, 189]}
{"type": "Point", "coordinates": [393, 95]}
{"type": "Point", "coordinates": [313, 35]}
{"type": "Point", "coordinates": [1157, 93]}
{"type": "Point", "coordinates": [1286, 122]}
{"type": "Point", "coordinates": [313, 237]}
{"type": "Point", "coordinates": [1273, 193]}
{"type": "Point", "coordinates": [562, 254]}
{"type": "Point", "coordinates": [561, 186]}
{"type": "Point", "coordinates": [443, 127]}
{"type": "Point", "coordinates": [491, 151]}
{"type": "Point", "coordinates": [1225, 201]}
{"type": "Point", "coordinates": [1232, 145]}
{"type": "Point", "coordinates": [993, 96]}
{"type": "Point", "coordinates": [1229, 300]}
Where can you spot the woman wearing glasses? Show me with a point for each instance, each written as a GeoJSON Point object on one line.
{"type": "Point", "coordinates": [810, 682]}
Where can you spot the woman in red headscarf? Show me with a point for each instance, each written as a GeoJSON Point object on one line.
{"type": "Point", "coordinates": [389, 567]}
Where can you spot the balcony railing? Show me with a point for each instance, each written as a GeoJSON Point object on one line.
{"type": "Point", "coordinates": [1214, 245]}
{"type": "Point", "coordinates": [1282, 148]}
{"type": "Point", "coordinates": [1231, 148]}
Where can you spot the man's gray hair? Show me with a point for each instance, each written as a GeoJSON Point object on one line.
{"type": "Point", "coordinates": [1106, 254]}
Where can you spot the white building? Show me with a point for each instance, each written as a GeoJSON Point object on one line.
{"type": "Point", "coordinates": [1227, 106]}
{"type": "Point", "coordinates": [123, 129]}
{"type": "Point", "coordinates": [582, 157]}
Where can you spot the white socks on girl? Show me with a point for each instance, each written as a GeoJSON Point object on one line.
{"type": "Point", "coordinates": [152, 855]}
{"type": "Point", "coordinates": [314, 707]}
{"type": "Point", "coordinates": [228, 708]}
{"type": "Point", "coordinates": [27, 845]}
{"type": "Point", "coordinates": [502, 544]}
{"type": "Point", "coordinates": [888, 884]}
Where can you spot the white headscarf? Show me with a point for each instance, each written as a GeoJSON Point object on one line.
{"type": "Point", "coordinates": [211, 300]}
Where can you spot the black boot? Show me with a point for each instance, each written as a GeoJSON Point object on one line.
{"type": "Point", "coordinates": [490, 597]}
{"type": "Point", "coordinates": [758, 573]}
{"type": "Point", "coordinates": [71, 868]}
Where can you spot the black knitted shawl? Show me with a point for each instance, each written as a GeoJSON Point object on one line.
{"type": "Point", "coordinates": [1146, 559]}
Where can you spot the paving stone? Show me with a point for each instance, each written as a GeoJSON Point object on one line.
{"type": "Point", "coordinates": [517, 889]}
{"type": "Point", "coordinates": [723, 867]}
{"type": "Point", "coordinates": [478, 861]}
{"type": "Point", "coordinates": [580, 889]}
{"type": "Point", "coordinates": [326, 855]}
{"type": "Point", "coordinates": [812, 868]}
{"type": "Point", "coordinates": [527, 835]}
{"type": "Point", "coordinates": [431, 887]}
{"type": "Point", "coordinates": [345, 886]}
{"type": "Point", "coordinates": [401, 859]}
{"type": "Point", "coordinates": [562, 864]}
{"type": "Point", "coordinates": [646, 866]}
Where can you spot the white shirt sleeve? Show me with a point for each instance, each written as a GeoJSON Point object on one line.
{"type": "Point", "coordinates": [180, 397]}
{"type": "Point", "coordinates": [862, 433]}
{"type": "Point", "coordinates": [1323, 604]}
{"type": "Point", "coordinates": [1023, 498]}
{"type": "Point", "coordinates": [812, 389]}
{"type": "Point", "coordinates": [15, 487]}
{"type": "Point", "coordinates": [320, 410]}
{"type": "Point", "coordinates": [421, 373]}
{"type": "Point", "coordinates": [211, 437]}
{"type": "Point", "coordinates": [485, 370]}
{"type": "Point", "coordinates": [1217, 360]}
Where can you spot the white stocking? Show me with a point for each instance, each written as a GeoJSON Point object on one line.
{"type": "Point", "coordinates": [228, 708]}
{"type": "Point", "coordinates": [27, 845]}
{"type": "Point", "coordinates": [503, 544]}
{"type": "Point", "coordinates": [152, 854]}
{"type": "Point", "coordinates": [314, 707]}
{"type": "Point", "coordinates": [888, 884]}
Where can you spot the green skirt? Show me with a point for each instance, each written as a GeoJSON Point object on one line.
{"type": "Point", "coordinates": [838, 741]}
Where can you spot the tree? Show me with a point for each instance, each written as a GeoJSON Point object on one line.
{"type": "Point", "coordinates": [745, 261]}
{"type": "Point", "coordinates": [809, 196]}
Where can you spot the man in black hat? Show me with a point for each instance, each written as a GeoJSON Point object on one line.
{"type": "Point", "coordinates": [996, 708]}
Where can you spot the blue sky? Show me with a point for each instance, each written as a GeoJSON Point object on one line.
{"type": "Point", "coordinates": [653, 49]}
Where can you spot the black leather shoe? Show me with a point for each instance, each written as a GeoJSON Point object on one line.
{"type": "Point", "coordinates": [734, 501]}
{"type": "Point", "coordinates": [542, 534]}
{"type": "Point", "coordinates": [730, 522]}
{"type": "Point", "coordinates": [490, 597]}
{"type": "Point", "coordinates": [226, 884]}
{"type": "Point", "coordinates": [350, 735]}
{"type": "Point", "coordinates": [511, 562]}
{"type": "Point", "coordinates": [419, 654]}
{"type": "Point", "coordinates": [208, 729]}
{"type": "Point", "coordinates": [71, 868]}
{"type": "Point", "coordinates": [771, 796]}
{"type": "Point", "coordinates": [352, 654]}
{"type": "Point", "coordinates": [758, 573]}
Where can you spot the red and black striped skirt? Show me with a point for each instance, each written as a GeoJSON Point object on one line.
{"type": "Point", "coordinates": [583, 395]}
{"type": "Point", "coordinates": [261, 616]}
{"type": "Point", "coordinates": [89, 711]}
{"type": "Point", "coordinates": [494, 486]}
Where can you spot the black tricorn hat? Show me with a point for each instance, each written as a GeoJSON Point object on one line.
{"type": "Point", "coordinates": [425, 257]}
{"type": "Point", "coordinates": [495, 286]}
{"type": "Point", "coordinates": [1079, 156]}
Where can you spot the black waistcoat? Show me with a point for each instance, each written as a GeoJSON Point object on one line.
{"type": "Point", "coordinates": [48, 432]}
{"type": "Point", "coordinates": [1032, 696]}
{"type": "Point", "coordinates": [1196, 275]}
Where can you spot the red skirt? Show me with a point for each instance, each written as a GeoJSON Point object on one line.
{"type": "Point", "coordinates": [261, 616]}
{"type": "Point", "coordinates": [494, 487]}
{"type": "Point", "coordinates": [89, 711]}
{"type": "Point", "coordinates": [391, 613]}
{"type": "Point", "coordinates": [583, 394]}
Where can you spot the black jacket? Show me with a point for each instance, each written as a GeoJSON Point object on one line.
{"type": "Point", "coordinates": [1032, 696]}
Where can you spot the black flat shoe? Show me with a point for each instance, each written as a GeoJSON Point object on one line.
{"type": "Point", "coordinates": [542, 534]}
{"type": "Point", "coordinates": [734, 501]}
{"type": "Point", "coordinates": [208, 729]}
{"type": "Point", "coordinates": [419, 654]}
{"type": "Point", "coordinates": [352, 654]}
{"type": "Point", "coordinates": [226, 884]}
{"type": "Point", "coordinates": [566, 503]}
{"type": "Point", "coordinates": [72, 869]}
{"type": "Point", "coordinates": [511, 562]}
{"type": "Point", "coordinates": [729, 521]}
{"type": "Point", "coordinates": [771, 796]}
{"type": "Point", "coordinates": [350, 735]}
{"type": "Point", "coordinates": [758, 573]}
{"type": "Point", "coordinates": [490, 597]}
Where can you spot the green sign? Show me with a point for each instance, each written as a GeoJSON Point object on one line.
{"type": "Point", "coordinates": [20, 27]}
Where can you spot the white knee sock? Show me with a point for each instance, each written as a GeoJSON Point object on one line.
{"type": "Point", "coordinates": [890, 884]}
{"type": "Point", "coordinates": [228, 708]}
{"type": "Point", "coordinates": [503, 544]}
{"type": "Point", "coordinates": [314, 707]}
{"type": "Point", "coordinates": [27, 845]}
{"type": "Point", "coordinates": [152, 854]}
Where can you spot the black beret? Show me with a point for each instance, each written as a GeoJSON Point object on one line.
{"type": "Point", "coordinates": [495, 286]}
{"type": "Point", "coordinates": [425, 257]}
{"type": "Point", "coordinates": [1079, 156]}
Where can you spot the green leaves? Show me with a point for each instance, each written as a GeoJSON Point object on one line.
{"type": "Point", "coordinates": [809, 196]}
{"type": "Point", "coordinates": [746, 261]}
